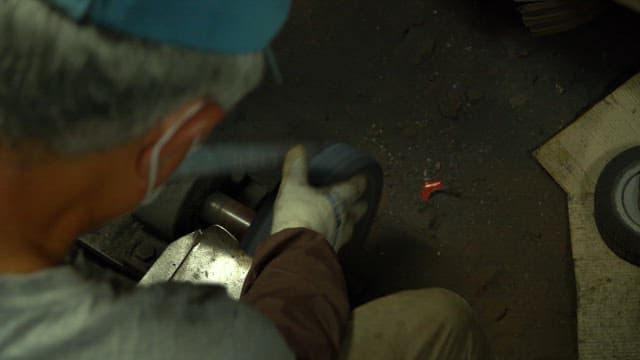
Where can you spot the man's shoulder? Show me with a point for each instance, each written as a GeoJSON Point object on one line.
{"type": "Point", "coordinates": [178, 303]}
{"type": "Point", "coordinates": [90, 319]}
{"type": "Point", "coordinates": [183, 305]}
{"type": "Point", "coordinates": [199, 320]}
{"type": "Point", "coordinates": [175, 294]}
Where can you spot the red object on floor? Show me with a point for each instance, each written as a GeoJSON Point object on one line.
{"type": "Point", "coordinates": [430, 188]}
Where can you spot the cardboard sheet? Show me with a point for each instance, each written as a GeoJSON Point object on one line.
{"type": "Point", "coordinates": [608, 288]}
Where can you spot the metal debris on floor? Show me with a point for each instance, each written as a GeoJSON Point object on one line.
{"type": "Point", "coordinates": [430, 188]}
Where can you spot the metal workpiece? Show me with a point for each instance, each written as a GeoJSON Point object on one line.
{"type": "Point", "coordinates": [224, 159]}
{"type": "Point", "coordinates": [220, 209]}
{"type": "Point", "coordinates": [212, 256]}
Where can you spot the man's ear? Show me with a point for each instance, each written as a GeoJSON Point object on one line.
{"type": "Point", "coordinates": [197, 127]}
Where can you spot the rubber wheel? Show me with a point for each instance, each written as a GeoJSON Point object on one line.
{"type": "Point", "coordinates": [617, 205]}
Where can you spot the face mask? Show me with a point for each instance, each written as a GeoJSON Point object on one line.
{"type": "Point", "coordinates": [154, 165]}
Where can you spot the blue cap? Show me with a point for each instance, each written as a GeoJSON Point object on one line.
{"type": "Point", "coordinates": [221, 26]}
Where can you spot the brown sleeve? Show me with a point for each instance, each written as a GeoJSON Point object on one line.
{"type": "Point", "coordinates": [297, 282]}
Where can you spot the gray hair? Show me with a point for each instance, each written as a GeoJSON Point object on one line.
{"type": "Point", "coordinates": [74, 88]}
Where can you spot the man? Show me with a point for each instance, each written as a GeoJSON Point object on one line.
{"type": "Point", "coordinates": [100, 102]}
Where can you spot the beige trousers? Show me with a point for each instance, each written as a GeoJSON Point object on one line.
{"type": "Point", "coordinates": [417, 324]}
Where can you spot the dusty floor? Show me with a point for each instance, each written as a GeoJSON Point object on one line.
{"type": "Point", "coordinates": [459, 91]}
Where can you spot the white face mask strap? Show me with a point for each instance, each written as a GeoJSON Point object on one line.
{"type": "Point", "coordinates": [164, 139]}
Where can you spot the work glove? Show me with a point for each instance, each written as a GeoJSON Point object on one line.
{"type": "Point", "coordinates": [331, 211]}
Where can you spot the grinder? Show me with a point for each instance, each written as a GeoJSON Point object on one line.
{"type": "Point", "coordinates": [219, 221]}
{"type": "Point", "coordinates": [173, 213]}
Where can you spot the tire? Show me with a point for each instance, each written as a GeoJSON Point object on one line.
{"type": "Point", "coordinates": [617, 208]}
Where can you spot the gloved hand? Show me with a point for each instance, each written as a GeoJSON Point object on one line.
{"type": "Point", "coordinates": [331, 211]}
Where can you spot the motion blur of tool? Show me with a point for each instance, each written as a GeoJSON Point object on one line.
{"type": "Point", "coordinates": [219, 212]}
{"type": "Point", "coordinates": [547, 17]}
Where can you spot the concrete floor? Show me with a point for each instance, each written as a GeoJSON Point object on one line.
{"type": "Point", "coordinates": [454, 90]}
